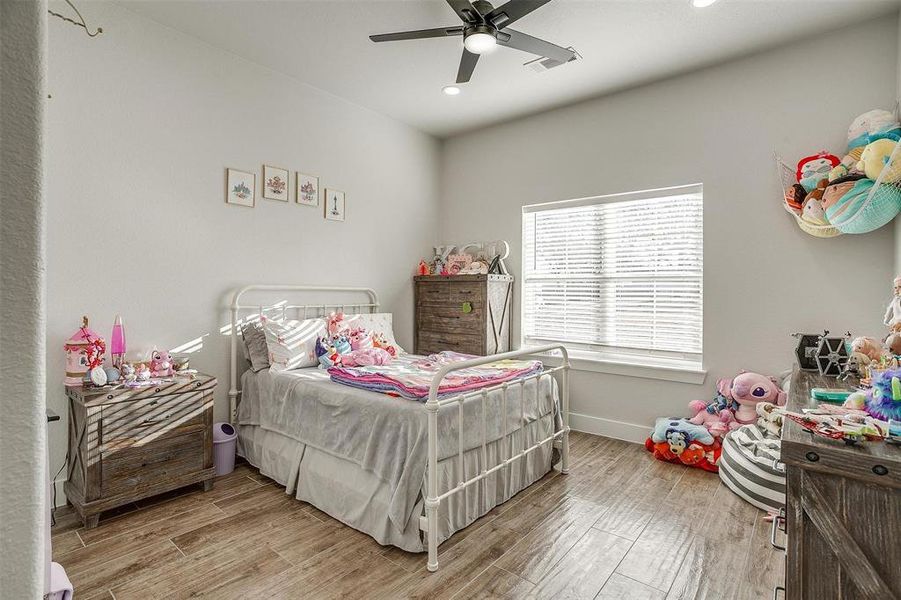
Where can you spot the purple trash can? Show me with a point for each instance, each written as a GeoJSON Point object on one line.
{"type": "Point", "coordinates": [225, 439]}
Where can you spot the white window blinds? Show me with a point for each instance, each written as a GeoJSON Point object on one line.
{"type": "Point", "coordinates": [616, 274]}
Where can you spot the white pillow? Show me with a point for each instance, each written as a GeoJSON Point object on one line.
{"type": "Point", "coordinates": [377, 322]}
{"type": "Point", "coordinates": [292, 344]}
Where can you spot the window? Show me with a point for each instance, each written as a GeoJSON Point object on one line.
{"type": "Point", "coordinates": [617, 278]}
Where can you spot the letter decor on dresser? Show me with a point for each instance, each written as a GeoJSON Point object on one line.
{"type": "Point", "coordinates": [130, 443]}
{"type": "Point", "coordinates": [464, 313]}
{"type": "Point", "coordinates": [843, 510]}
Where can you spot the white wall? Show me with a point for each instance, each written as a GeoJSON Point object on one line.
{"type": "Point", "coordinates": [142, 124]}
{"type": "Point", "coordinates": [764, 278]}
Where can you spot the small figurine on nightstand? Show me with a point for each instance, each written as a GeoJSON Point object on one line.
{"type": "Point", "coordinates": [129, 375]}
{"type": "Point", "coordinates": [142, 373]}
{"type": "Point", "coordinates": [161, 364]}
{"type": "Point", "coordinates": [893, 312]}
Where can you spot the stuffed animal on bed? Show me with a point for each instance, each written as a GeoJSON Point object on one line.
{"type": "Point", "coordinates": [680, 441]}
{"type": "Point", "coordinates": [367, 357]}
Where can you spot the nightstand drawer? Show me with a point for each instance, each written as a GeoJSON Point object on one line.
{"type": "Point", "coordinates": [159, 460]}
{"type": "Point", "coordinates": [131, 423]}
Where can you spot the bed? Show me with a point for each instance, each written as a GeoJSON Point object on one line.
{"type": "Point", "coordinates": [403, 471]}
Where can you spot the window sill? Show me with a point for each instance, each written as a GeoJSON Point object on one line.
{"type": "Point", "coordinates": [663, 370]}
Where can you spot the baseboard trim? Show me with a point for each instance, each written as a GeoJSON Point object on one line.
{"type": "Point", "coordinates": [629, 432]}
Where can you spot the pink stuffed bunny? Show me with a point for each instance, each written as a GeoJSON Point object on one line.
{"type": "Point", "coordinates": [748, 390]}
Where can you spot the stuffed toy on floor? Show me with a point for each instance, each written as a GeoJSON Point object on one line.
{"type": "Point", "coordinates": [680, 441]}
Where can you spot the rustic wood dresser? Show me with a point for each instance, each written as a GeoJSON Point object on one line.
{"type": "Point", "coordinates": [465, 313]}
{"type": "Point", "coordinates": [130, 443]}
{"type": "Point", "coordinates": [843, 510]}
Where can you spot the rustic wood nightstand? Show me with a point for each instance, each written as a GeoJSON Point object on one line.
{"type": "Point", "coordinates": [130, 443]}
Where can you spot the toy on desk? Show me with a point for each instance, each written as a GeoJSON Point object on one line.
{"type": "Point", "coordinates": [830, 394]}
{"type": "Point", "coordinates": [892, 318]}
{"type": "Point", "coordinates": [851, 427]}
{"type": "Point", "coordinates": [832, 354]}
{"type": "Point", "coordinates": [883, 400]}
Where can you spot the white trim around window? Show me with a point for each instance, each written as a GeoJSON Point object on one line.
{"type": "Point", "coordinates": [619, 279]}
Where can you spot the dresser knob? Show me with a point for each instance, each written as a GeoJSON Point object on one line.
{"type": "Point", "coordinates": [812, 456]}
{"type": "Point", "coordinates": [109, 396]}
{"type": "Point", "coordinates": [157, 390]}
{"type": "Point", "coordinates": [199, 383]}
{"type": "Point", "coordinates": [880, 470]}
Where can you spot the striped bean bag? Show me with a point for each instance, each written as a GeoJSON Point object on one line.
{"type": "Point", "coordinates": [748, 467]}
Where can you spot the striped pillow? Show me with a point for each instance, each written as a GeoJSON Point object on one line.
{"type": "Point", "coordinates": [750, 467]}
{"type": "Point", "coordinates": [292, 344]}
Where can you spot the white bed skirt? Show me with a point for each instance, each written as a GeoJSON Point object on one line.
{"type": "Point", "coordinates": [358, 498]}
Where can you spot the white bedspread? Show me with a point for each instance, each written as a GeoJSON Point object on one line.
{"type": "Point", "coordinates": [385, 435]}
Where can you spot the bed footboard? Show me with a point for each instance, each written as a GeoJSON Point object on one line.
{"type": "Point", "coordinates": [433, 499]}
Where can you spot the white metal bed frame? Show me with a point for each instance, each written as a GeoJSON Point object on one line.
{"type": "Point", "coordinates": [432, 502]}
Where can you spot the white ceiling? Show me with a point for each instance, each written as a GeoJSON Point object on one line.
{"type": "Point", "coordinates": [623, 43]}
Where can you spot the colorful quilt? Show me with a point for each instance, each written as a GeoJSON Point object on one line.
{"type": "Point", "coordinates": [410, 376]}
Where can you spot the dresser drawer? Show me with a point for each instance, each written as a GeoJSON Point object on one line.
{"type": "Point", "coordinates": [450, 318]}
{"type": "Point", "coordinates": [463, 291]}
{"type": "Point", "coordinates": [157, 461]}
{"type": "Point", "coordinates": [435, 341]}
{"type": "Point", "coordinates": [430, 292]}
{"type": "Point", "coordinates": [135, 423]}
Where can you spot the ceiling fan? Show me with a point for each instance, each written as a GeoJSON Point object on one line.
{"type": "Point", "coordinates": [484, 27]}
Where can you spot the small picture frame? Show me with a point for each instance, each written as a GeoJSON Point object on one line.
{"type": "Point", "coordinates": [275, 183]}
{"type": "Point", "coordinates": [306, 189]}
{"type": "Point", "coordinates": [240, 187]}
{"type": "Point", "coordinates": [335, 207]}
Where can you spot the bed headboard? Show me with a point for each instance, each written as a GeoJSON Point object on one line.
{"type": "Point", "coordinates": [257, 306]}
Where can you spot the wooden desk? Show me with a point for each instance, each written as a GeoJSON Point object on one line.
{"type": "Point", "coordinates": [843, 509]}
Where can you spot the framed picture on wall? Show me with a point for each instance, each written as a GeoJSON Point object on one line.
{"type": "Point", "coordinates": [275, 183]}
{"type": "Point", "coordinates": [240, 187]}
{"type": "Point", "coordinates": [334, 205]}
{"type": "Point", "coordinates": [307, 189]}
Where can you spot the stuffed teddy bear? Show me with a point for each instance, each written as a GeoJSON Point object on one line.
{"type": "Point", "coordinates": [873, 125]}
{"type": "Point", "coordinates": [875, 159]}
{"type": "Point", "coordinates": [161, 364]}
{"type": "Point", "coordinates": [869, 347]}
{"type": "Point", "coordinates": [749, 389]}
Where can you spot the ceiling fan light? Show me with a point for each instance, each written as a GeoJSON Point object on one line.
{"type": "Point", "coordinates": [480, 42]}
{"type": "Point", "coordinates": [451, 90]}
{"type": "Point", "coordinates": [702, 3]}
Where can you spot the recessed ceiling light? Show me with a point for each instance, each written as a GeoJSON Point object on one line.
{"type": "Point", "coordinates": [702, 3]}
{"type": "Point", "coordinates": [451, 90]}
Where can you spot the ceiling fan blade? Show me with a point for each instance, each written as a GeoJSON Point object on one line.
{"type": "Point", "coordinates": [520, 41]}
{"type": "Point", "coordinates": [467, 66]}
{"type": "Point", "coordinates": [466, 11]}
{"type": "Point", "coordinates": [506, 14]}
{"type": "Point", "coordinates": [417, 34]}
